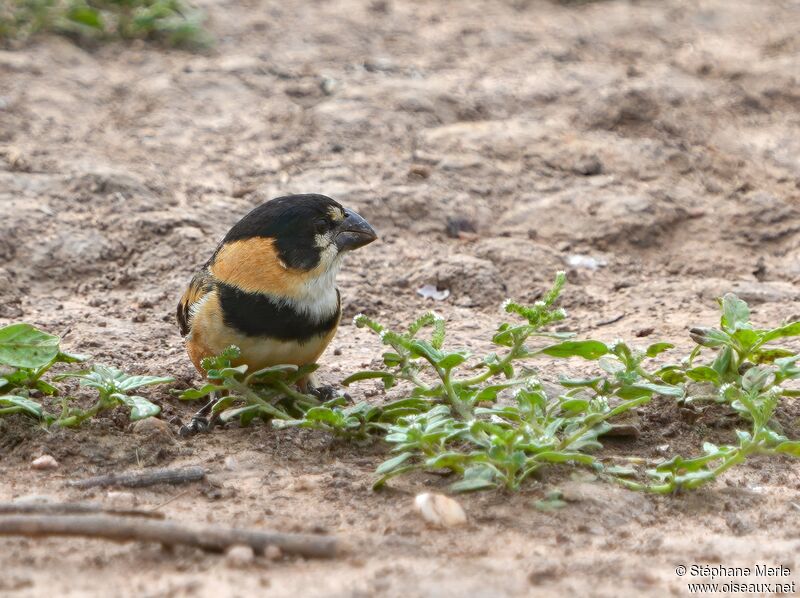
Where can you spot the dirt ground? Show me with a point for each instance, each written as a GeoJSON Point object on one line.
{"type": "Point", "coordinates": [661, 139]}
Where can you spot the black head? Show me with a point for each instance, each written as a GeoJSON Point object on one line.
{"type": "Point", "coordinates": [308, 229]}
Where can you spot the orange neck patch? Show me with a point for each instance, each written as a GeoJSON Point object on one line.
{"type": "Point", "coordinates": [253, 265]}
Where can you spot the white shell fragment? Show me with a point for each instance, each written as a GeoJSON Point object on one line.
{"type": "Point", "coordinates": [429, 291]}
{"type": "Point", "coordinates": [440, 510]}
{"type": "Point", "coordinates": [239, 556]}
{"type": "Point", "coordinates": [44, 462]}
{"type": "Point", "coordinates": [579, 260]}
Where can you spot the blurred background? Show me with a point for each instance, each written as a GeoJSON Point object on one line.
{"type": "Point", "coordinates": [651, 148]}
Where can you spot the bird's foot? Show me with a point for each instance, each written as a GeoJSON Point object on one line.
{"type": "Point", "coordinates": [326, 393]}
{"type": "Point", "coordinates": [201, 422]}
{"type": "Point", "coordinates": [197, 425]}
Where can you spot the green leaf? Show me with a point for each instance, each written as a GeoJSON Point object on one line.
{"type": "Point", "coordinates": [709, 337]}
{"type": "Point", "coordinates": [735, 313]}
{"type": "Point", "coordinates": [140, 407]}
{"type": "Point", "coordinates": [703, 373]}
{"type": "Point", "coordinates": [792, 329]}
{"type": "Point", "coordinates": [563, 457]}
{"type": "Point", "coordinates": [28, 406]}
{"type": "Point", "coordinates": [325, 415]}
{"type": "Point", "coordinates": [451, 360]}
{"type": "Point", "coordinates": [388, 379]}
{"type": "Point", "coordinates": [63, 357]}
{"type": "Point", "coordinates": [192, 394]}
{"type": "Point", "coordinates": [791, 447]}
{"type": "Point", "coordinates": [723, 361]}
{"type": "Point", "coordinates": [657, 348]}
{"type": "Point", "coordinates": [745, 338]}
{"type": "Point", "coordinates": [86, 15]}
{"type": "Point", "coordinates": [661, 389]}
{"type": "Point", "coordinates": [575, 405]}
{"type": "Point", "coordinates": [489, 393]}
{"type": "Point", "coordinates": [579, 382]}
{"type": "Point", "coordinates": [23, 346]}
{"type": "Point", "coordinates": [589, 349]}
{"type": "Point", "coordinates": [757, 378]}
{"type": "Point", "coordinates": [126, 383]}
{"type": "Point", "coordinates": [391, 464]}
{"type": "Point", "coordinates": [264, 375]}
{"type": "Point", "coordinates": [472, 484]}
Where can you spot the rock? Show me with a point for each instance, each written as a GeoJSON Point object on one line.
{"type": "Point", "coordinates": [120, 499]}
{"type": "Point", "coordinates": [440, 510]}
{"type": "Point", "coordinates": [153, 427]}
{"type": "Point", "coordinates": [273, 553]}
{"type": "Point", "coordinates": [239, 556]}
{"type": "Point", "coordinates": [588, 165]}
{"type": "Point", "coordinates": [305, 483]}
{"type": "Point", "coordinates": [45, 462]}
{"type": "Point", "coordinates": [231, 463]}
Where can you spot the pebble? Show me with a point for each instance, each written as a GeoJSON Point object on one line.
{"type": "Point", "coordinates": [44, 462]}
{"type": "Point", "coordinates": [273, 553]}
{"type": "Point", "coordinates": [239, 556]}
{"type": "Point", "coordinates": [440, 510]}
{"type": "Point", "coordinates": [121, 500]}
{"type": "Point", "coordinates": [152, 426]}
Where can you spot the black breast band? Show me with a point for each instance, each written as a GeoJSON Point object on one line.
{"type": "Point", "coordinates": [255, 314]}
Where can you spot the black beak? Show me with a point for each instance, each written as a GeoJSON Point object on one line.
{"type": "Point", "coordinates": [353, 232]}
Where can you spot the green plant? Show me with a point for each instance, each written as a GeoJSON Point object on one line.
{"type": "Point", "coordinates": [746, 374]}
{"type": "Point", "coordinates": [493, 423]}
{"type": "Point", "coordinates": [27, 354]}
{"type": "Point", "coordinates": [169, 21]}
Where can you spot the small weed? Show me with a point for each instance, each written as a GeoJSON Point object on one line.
{"type": "Point", "coordinates": [489, 419]}
{"type": "Point", "coordinates": [27, 354]}
{"type": "Point", "coordinates": [168, 21]}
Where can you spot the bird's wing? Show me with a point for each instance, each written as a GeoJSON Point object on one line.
{"type": "Point", "coordinates": [202, 284]}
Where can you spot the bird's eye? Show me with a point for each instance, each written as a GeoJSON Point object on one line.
{"type": "Point", "coordinates": [321, 226]}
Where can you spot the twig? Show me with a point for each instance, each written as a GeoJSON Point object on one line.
{"type": "Point", "coordinates": [169, 500]}
{"type": "Point", "coordinates": [610, 320]}
{"type": "Point", "coordinates": [145, 478]}
{"type": "Point", "coordinates": [207, 537]}
{"type": "Point", "coordinates": [65, 508]}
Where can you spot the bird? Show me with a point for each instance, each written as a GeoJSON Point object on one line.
{"type": "Point", "coordinates": [270, 287]}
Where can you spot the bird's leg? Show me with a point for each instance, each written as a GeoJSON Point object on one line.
{"type": "Point", "coordinates": [200, 421]}
{"type": "Point", "coordinates": [324, 393]}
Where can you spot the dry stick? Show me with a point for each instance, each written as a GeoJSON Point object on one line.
{"type": "Point", "coordinates": [144, 478]}
{"type": "Point", "coordinates": [65, 508]}
{"type": "Point", "coordinates": [123, 529]}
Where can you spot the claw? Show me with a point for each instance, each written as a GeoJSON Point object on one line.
{"type": "Point", "coordinates": [200, 423]}
{"type": "Point", "coordinates": [323, 393]}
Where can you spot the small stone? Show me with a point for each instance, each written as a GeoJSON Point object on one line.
{"type": "Point", "coordinates": [44, 462]}
{"type": "Point", "coordinates": [239, 556]}
{"type": "Point", "coordinates": [120, 499]}
{"type": "Point", "coordinates": [440, 510]}
{"type": "Point", "coordinates": [231, 464]}
{"type": "Point", "coordinates": [305, 483]}
{"type": "Point", "coordinates": [588, 166]}
{"type": "Point", "coordinates": [273, 553]}
{"type": "Point", "coordinates": [152, 426]}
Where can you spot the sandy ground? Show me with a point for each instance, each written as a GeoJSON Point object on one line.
{"type": "Point", "coordinates": [662, 139]}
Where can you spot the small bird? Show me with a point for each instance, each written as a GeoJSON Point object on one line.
{"type": "Point", "coordinates": [270, 286]}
